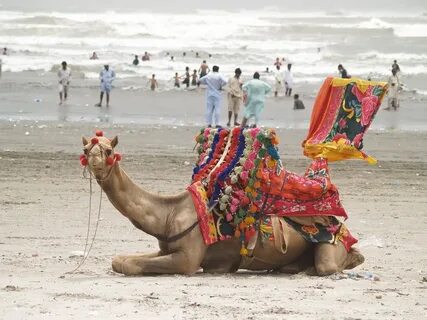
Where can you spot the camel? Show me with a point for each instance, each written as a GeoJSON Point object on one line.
{"type": "Point", "coordinates": [173, 221]}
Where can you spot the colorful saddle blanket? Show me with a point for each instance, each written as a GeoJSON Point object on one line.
{"type": "Point", "coordinates": [239, 177]}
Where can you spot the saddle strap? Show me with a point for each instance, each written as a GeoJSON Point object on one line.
{"type": "Point", "coordinates": [280, 233]}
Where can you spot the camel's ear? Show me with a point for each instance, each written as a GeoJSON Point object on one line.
{"type": "Point", "coordinates": [114, 142]}
{"type": "Point", "coordinates": [85, 141]}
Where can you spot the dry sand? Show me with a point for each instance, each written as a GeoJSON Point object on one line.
{"type": "Point", "coordinates": [43, 221]}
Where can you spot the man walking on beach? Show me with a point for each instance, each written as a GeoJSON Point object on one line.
{"type": "Point", "coordinates": [278, 79]}
{"type": "Point", "coordinates": [255, 91]}
{"type": "Point", "coordinates": [234, 96]}
{"type": "Point", "coordinates": [106, 76]}
{"type": "Point", "coordinates": [289, 81]}
{"type": "Point", "coordinates": [214, 82]}
{"type": "Point", "coordinates": [394, 87]}
{"type": "Point", "coordinates": [64, 77]}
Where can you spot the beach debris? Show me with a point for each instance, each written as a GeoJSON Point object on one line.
{"type": "Point", "coordinates": [27, 133]}
{"type": "Point", "coordinates": [42, 126]}
{"type": "Point", "coordinates": [11, 288]}
{"type": "Point", "coordinates": [186, 163]}
{"type": "Point", "coordinates": [37, 100]}
{"type": "Point", "coordinates": [76, 253]}
{"type": "Point", "coordinates": [362, 275]}
{"type": "Point", "coordinates": [371, 241]}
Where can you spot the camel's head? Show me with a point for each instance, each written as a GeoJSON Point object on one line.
{"type": "Point", "coordinates": [99, 154]}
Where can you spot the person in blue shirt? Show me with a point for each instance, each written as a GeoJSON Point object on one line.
{"type": "Point", "coordinates": [214, 82]}
{"type": "Point", "coordinates": [106, 76]}
{"type": "Point", "coordinates": [255, 91]}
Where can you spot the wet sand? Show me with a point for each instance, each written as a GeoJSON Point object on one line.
{"type": "Point", "coordinates": [34, 96]}
{"type": "Point", "coordinates": [43, 212]}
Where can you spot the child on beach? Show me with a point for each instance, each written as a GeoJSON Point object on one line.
{"type": "Point", "coordinates": [176, 78]}
{"type": "Point", "coordinates": [153, 83]}
{"type": "Point", "coordinates": [194, 78]}
{"type": "Point", "coordinates": [186, 77]}
{"type": "Point", "coordinates": [298, 104]}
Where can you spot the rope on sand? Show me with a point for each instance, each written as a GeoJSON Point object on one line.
{"type": "Point", "coordinates": [86, 253]}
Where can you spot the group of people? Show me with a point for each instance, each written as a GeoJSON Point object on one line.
{"type": "Point", "coordinates": [285, 78]}
{"type": "Point", "coordinates": [106, 77]}
{"type": "Point", "coordinates": [144, 57]}
{"type": "Point", "coordinates": [251, 93]}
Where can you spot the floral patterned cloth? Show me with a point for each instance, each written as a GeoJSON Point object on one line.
{"type": "Point", "coordinates": [342, 113]}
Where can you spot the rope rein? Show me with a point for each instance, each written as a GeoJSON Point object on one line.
{"type": "Point", "coordinates": [86, 253]}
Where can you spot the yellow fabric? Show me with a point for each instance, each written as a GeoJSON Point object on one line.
{"type": "Point", "coordinates": [335, 151]}
{"type": "Point", "coordinates": [361, 84]}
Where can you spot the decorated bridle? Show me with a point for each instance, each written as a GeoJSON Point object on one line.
{"type": "Point", "coordinates": [110, 159]}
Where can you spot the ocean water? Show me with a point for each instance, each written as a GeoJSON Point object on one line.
{"type": "Point", "coordinates": [315, 43]}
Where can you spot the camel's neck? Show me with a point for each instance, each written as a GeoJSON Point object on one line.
{"type": "Point", "coordinates": [145, 210]}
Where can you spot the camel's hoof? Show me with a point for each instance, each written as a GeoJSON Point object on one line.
{"type": "Point", "coordinates": [354, 258]}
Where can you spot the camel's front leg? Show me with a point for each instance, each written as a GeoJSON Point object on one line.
{"type": "Point", "coordinates": [175, 263]}
{"type": "Point", "coordinates": [119, 260]}
{"type": "Point", "coordinates": [332, 258]}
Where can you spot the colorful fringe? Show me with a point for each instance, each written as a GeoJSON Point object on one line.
{"type": "Point", "coordinates": [240, 174]}
{"type": "Point", "coordinates": [342, 113]}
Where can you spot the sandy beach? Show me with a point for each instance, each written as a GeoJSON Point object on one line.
{"type": "Point", "coordinates": [44, 207]}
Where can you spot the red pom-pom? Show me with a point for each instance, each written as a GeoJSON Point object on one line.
{"type": "Point", "coordinates": [94, 141]}
{"type": "Point", "coordinates": [117, 156]}
{"type": "Point", "coordinates": [82, 156]}
{"type": "Point", "coordinates": [110, 161]}
{"type": "Point", "coordinates": [83, 161]}
{"type": "Point", "coordinates": [99, 133]}
{"type": "Point", "coordinates": [249, 233]}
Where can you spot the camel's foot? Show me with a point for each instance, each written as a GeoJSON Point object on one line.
{"type": "Point", "coordinates": [125, 263]}
{"type": "Point", "coordinates": [354, 258]}
{"type": "Point", "coordinates": [156, 263]}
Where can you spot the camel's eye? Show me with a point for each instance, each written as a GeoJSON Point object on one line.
{"type": "Point", "coordinates": [85, 151]}
{"type": "Point", "coordinates": [108, 152]}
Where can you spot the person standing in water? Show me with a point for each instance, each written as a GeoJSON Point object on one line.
{"type": "Point", "coordinates": [176, 78]}
{"type": "Point", "coordinates": [396, 67]}
{"type": "Point", "coordinates": [186, 77]}
{"type": "Point", "coordinates": [255, 91]}
{"type": "Point", "coordinates": [289, 80]}
{"type": "Point", "coordinates": [106, 76]}
{"type": "Point", "coordinates": [214, 82]}
{"type": "Point", "coordinates": [204, 69]}
{"type": "Point", "coordinates": [64, 77]}
{"type": "Point", "coordinates": [194, 78]}
{"type": "Point", "coordinates": [135, 61]}
{"type": "Point", "coordinates": [234, 96]}
{"type": "Point", "coordinates": [153, 83]}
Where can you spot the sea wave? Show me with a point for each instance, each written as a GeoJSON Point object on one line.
{"type": "Point", "coordinates": [314, 42]}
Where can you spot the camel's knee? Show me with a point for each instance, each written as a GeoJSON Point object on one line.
{"type": "Point", "coordinates": [325, 269]}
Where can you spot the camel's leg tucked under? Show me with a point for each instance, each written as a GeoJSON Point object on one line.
{"type": "Point", "coordinates": [177, 262]}
{"type": "Point", "coordinates": [118, 260]}
{"type": "Point", "coordinates": [332, 258]}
